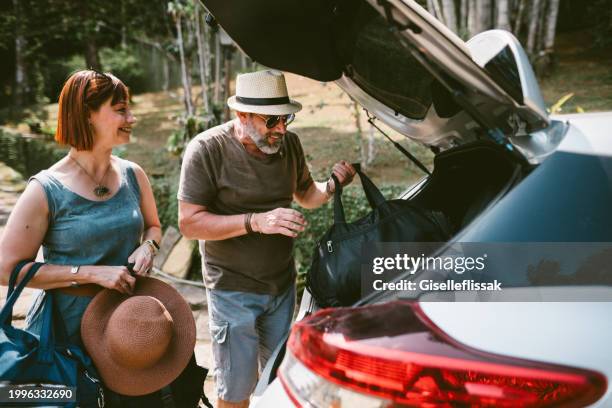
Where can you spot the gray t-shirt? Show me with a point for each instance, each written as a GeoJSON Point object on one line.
{"type": "Point", "coordinates": [218, 173]}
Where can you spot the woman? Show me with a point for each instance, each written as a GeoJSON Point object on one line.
{"type": "Point", "coordinates": [92, 212]}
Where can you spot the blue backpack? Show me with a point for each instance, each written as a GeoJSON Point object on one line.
{"type": "Point", "coordinates": [47, 360]}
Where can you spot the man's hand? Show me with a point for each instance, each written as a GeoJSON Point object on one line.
{"type": "Point", "coordinates": [279, 221]}
{"type": "Point", "coordinates": [344, 172]}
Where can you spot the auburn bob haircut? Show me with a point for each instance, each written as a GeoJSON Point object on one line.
{"type": "Point", "coordinates": [84, 92]}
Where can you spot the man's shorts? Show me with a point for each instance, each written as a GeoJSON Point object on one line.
{"type": "Point", "coordinates": [245, 329]}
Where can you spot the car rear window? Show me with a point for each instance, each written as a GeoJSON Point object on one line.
{"type": "Point", "coordinates": [553, 229]}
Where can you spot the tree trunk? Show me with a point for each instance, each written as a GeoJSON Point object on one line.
{"type": "Point", "coordinates": [518, 23]}
{"type": "Point", "coordinates": [201, 57]}
{"type": "Point", "coordinates": [472, 19]}
{"type": "Point", "coordinates": [433, 10]}
{"type": "Point", "coordinates": [484, 9]}
{"type": "Point", "coordinates": [371, 146]}
{"type": "Point", "coordinates": [21, 90]}
{"type": "Point", "coordinates": [551, 26]}
{"type": "Point", "coordinates": [464, 11]}
{"type": "Point", "coordinates": [208, 58]}
{"type": "Point", "coordinates": [218, 57]}
{"type": "Point", "coordinates": [166, 71]}
{"type": "Point", "coordinates": [184, 72]}
{"type": "Point", "coordinates": [124, 24]}
{"type": "Point", "coordinates": [534, 19]}
{"type": "Point", "coordinates": [92, 59]}
{"type": "Point", "coordinates": [541, 29]}
{"type": "Point", "coordinates": [363, 147]}
{"type": "Point", "coordinates": [227, 56]}
{"type": "Point", "coordinates": [502, 15]}
{"type": "Point", "coordinates": [450, 16]}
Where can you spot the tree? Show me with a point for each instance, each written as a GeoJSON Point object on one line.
{"type": "Point", "coordinates": [177, 10]}
{"type": "Point", "coordinates": [502, 17]}
{"type": "Point", "coordinates": [21, 88]}
{"type": "Point", "coordinates": [474, 16]}
{"type": "Point", "coordinates": [92, 57]}
{"type": "Point", "coordinates": [202, 57]}
{"type": "Point", "coordinates": [532, 28]}
{"type": "Point", "coordinates": [450, 15]}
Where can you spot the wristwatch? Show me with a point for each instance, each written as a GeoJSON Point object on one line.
{"type": "Point", "coordinates": [153, 245]}
{"type": "Point", "coordinates": [74, 270]}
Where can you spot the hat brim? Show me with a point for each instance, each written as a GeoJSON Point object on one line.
{"type": "Point", "coordinates": [131, 381]}
{"type": "Point", "coordinates": [285, 109]}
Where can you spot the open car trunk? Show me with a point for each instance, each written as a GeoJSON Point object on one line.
{"type": "Point", "coordinates": [466, 180]}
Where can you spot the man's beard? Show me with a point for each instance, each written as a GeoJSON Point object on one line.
{"type": "Point", "coordinates": [261, 140]}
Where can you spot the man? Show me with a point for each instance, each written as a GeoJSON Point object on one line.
{"type": "Point", "coordinates": [237, 183]}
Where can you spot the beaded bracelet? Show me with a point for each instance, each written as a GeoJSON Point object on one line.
{"type": "Point", "coordinates": [247, 223]}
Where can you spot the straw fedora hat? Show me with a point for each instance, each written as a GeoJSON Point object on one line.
{"type": "Point", "coordinates": [139, 343]}
{"type": "Point", "coordinates": [263, 92]}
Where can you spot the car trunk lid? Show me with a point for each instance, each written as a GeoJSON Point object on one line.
{"type": "Point", "coordinates": [395, 59]}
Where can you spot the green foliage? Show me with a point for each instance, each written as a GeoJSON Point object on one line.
{"type": "Point", "coordinates": [321, 219]}
{"type": "Point", "coordinates": [600, 15]}
{"type": "Point", "coordinates": [189, 127]}
{"type": "Point", "coordinates": [124, 65]}
{"type": "Point", "coordinates": [57, 71]}
{"type": "Point", "coordinates": [28, 155]}
{"type": "Point", "coordinates": [164, 190]}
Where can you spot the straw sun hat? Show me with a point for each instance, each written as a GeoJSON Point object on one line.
{"type": "Point", "coordinates": [263, 92]}
{"type": "Point", "coordinates": [139, 343]}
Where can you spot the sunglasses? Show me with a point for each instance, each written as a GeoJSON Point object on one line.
{"type": "Point", "coordinates": [272, 121]}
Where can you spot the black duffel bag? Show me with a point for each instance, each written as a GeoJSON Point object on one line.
{"type": "Point", "coordinates": [334, 278]}
{"type": "Point", "coordinates": [186, 391]}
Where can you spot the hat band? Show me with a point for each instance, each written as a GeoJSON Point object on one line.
{"type": "Point", "coordinates": [263, 101]}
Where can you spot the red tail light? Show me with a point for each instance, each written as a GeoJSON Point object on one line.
{"type": "Point", "coordinates": [393, 357]}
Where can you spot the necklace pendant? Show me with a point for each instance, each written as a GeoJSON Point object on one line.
{"type": "Point", "coordinates": [101, 191]}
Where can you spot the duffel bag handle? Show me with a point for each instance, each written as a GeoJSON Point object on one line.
{"type": "Point", "coordinates": [338, 208]}
{"type": "Point", "coordinates": [372, 193]}
{"type": "Point", "coordinates": [6, 315]}
{"type": "Point", "coordinates": [14, 276]}
{"type": "Point", "coordinates": [58, 323]}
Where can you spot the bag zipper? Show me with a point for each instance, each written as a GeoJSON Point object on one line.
{"type": "Point", "coordinates": [101, 402]}
{"type": "Point", "coordinates": [330, 248]}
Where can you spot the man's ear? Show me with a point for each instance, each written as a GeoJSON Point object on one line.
{"type": "Point", "coordinates": [242, 116]}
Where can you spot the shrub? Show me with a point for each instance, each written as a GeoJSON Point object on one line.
{"type": "Point", "coordinates": [57, 71]}
{"type": "Point", "coordinates": [164, 190]}
{"type": "Point", "coordinates": [126, 66]}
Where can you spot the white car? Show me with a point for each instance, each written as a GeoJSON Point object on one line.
{"type": "Point", "coordinates": [504, 172]}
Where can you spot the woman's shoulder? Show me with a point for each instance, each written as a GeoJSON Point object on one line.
{"type": "Point", "coordinates": [52, 176]}
{"type": "Point", "coordinates": [128, 164]}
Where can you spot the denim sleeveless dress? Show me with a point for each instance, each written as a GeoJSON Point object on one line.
{"type": "Point", "coordinates": [86, 232]}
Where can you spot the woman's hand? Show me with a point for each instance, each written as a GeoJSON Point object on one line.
{"type": "Point", "coordinates": [142, 258]}
{"type": "Point", "coordinates": [113, 277]}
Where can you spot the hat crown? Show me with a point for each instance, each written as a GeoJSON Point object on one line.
{"type": "Point", "coordinates": [261, 84]}
{"type": "Point", "coordinates": [139, 332]}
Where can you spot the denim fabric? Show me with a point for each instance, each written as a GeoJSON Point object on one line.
{"type": "Point", "coordinates": [245, 328]}
{"type": "Point", "coordinates": [86, 232]}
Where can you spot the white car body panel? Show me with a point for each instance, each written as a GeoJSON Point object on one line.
{"type": "Point", "coordinates": [590, 133]}
{"type": "Point", "coordinates": [576, 334]}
